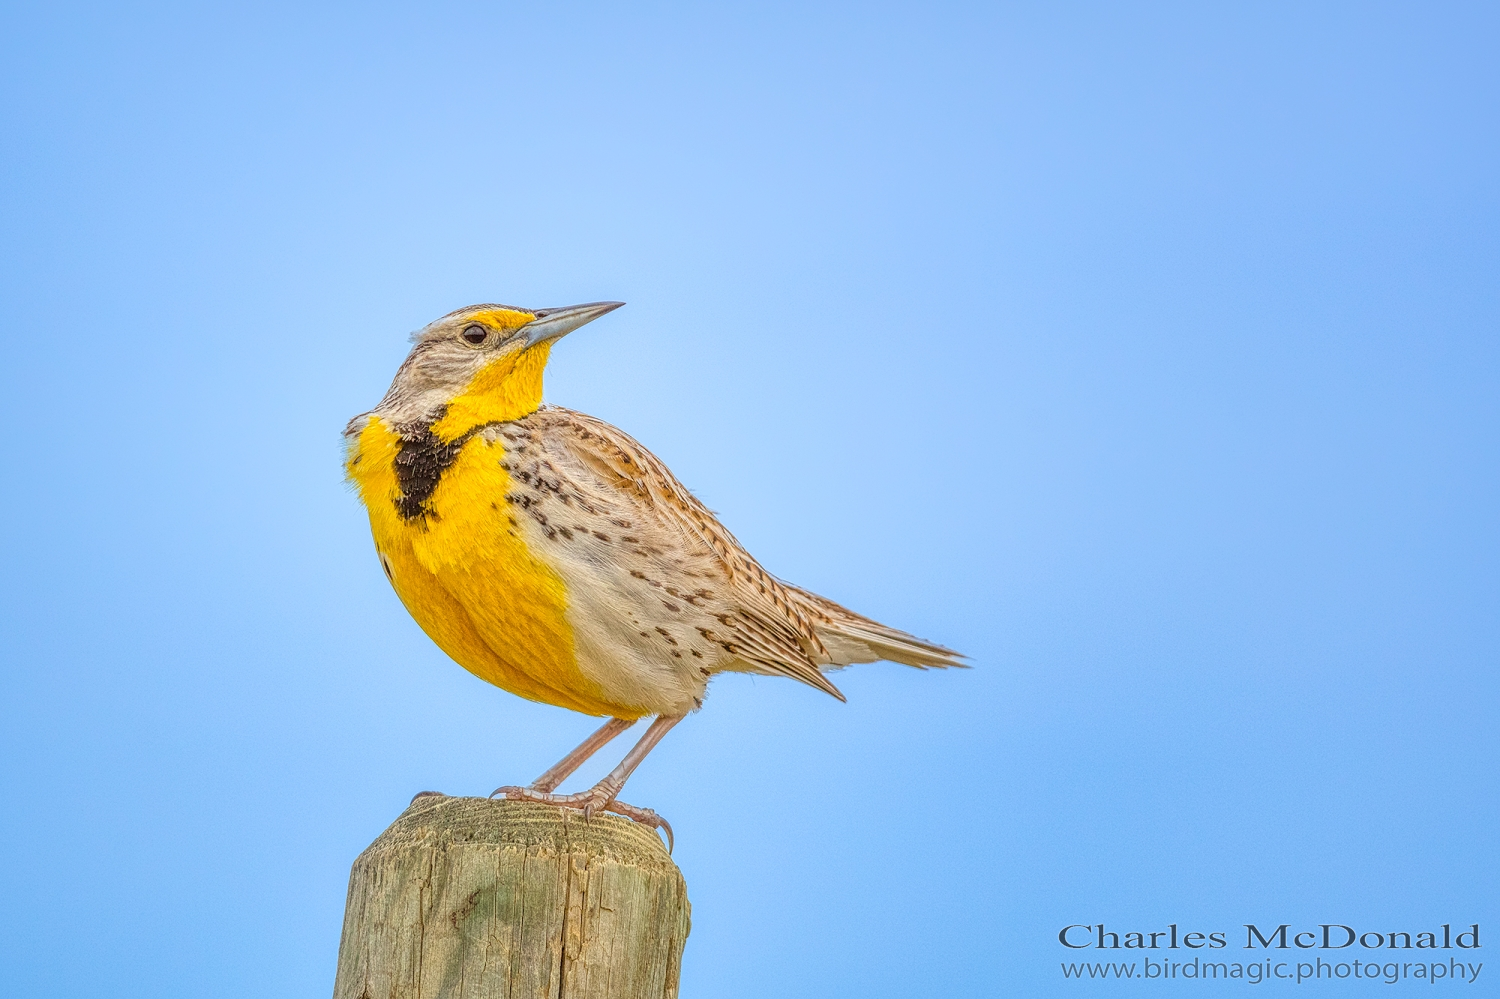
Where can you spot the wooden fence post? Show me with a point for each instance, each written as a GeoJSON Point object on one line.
{"type": "Point", "coordinates": [468, 898]}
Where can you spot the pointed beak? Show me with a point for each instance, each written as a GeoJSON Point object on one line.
{"type": "Point", "coordinates": [550, 324]}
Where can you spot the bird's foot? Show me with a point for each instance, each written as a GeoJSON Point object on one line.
{"type": "Point", "coordinates": [644, 816]}
{"type": "Point", "coordinates": [599, 798]}
{"type": "Point", "coordinates": [596, 799]}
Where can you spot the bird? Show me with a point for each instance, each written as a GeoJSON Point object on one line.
{"type": "Point", "coordinates": [550, 554]}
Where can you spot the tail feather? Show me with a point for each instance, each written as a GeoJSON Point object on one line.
{"type": "Point", "coordinates": [853, 638]}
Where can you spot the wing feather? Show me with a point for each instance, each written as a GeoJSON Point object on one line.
{"type": "Point", "coordinates": [769, 628]}
{"type": "Point", "coordinates": [772, 626]}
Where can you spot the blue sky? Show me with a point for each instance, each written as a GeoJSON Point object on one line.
{"type": "Point", "coordinates": [1146, 353]}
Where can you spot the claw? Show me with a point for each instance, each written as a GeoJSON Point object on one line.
{"type": "Point", "coordinates": [645, 817]}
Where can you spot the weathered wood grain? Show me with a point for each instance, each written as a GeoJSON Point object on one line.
{"type": "Point", "coordinates": [468, 898]}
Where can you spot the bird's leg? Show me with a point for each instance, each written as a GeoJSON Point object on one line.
{"type": "Point", "coordinates": [601, 797]}
{"type": "Point", "coordinates": [563, 768]}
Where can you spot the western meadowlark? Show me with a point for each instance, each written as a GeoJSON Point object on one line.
{"type": "Point", "coordinates": [553, 556]}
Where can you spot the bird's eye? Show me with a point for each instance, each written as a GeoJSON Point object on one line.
{"type": "Point", "coordinates": [475, 333]}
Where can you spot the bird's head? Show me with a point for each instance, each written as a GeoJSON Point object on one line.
{"type": "Point", "coordinates": [478, 365]}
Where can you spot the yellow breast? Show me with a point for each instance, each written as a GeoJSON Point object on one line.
{"type": "Point", "coordinates": [467, 577]}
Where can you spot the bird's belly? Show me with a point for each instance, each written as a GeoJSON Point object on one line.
{"type": "Point", "coordinates": [645, 632]}
{"type": "Point", "coordinates": [639, 653]}
{"type": "Point", "coordinates": [469, 579]}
